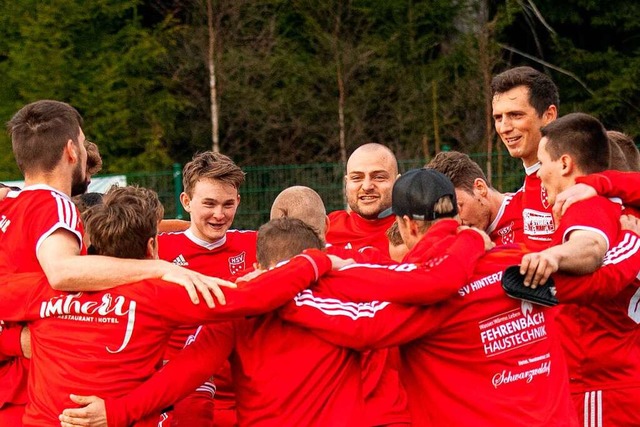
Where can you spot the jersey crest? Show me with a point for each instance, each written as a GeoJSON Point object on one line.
{"type": "Point", "coordinates": [507, 236]}
{"type": "Point", "coordinates": [237, 263]}
{"type": "Point", "coordinates": [544, 197]}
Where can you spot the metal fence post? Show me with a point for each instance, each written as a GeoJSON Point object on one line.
{"type": "Point", "coordinates": [177, 189]}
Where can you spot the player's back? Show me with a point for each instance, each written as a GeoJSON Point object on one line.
{"type": "Point", "coordinates": [488, 360]}
{"type": "Point", "coordinates": [286, 376]}
{"type": "Point", "coordinates": [97, 343]}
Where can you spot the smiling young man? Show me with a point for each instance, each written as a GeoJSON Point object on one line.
{"type": "Point", "coordinates": [371, 171]}
{"type": "Point", "coordinates": [525, 100]}
{"type": "Point", "coordinates": [211, 181]}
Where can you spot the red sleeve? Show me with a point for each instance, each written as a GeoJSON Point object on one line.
{"type": "Point", "coordinates": [360, 326]}
{"type": "Point", "coordinates": [612, 183]}
{"type": "Point", "coordinates": [21, 294]}
{"type": "Point", "coordinates": [55, 211]}
{"type": "Point", "coordinates": [10, 341]}
{"type": "Point", "coordinates": [263, 294]}
{"type": "Point", "coordinates": [620, 267]}
{"type": "Point", "coordinates": [180, 376]}
{"type": "Point", "coordinates": [426, 283]}
{"type": "Point", "coordinates": [597, 214]}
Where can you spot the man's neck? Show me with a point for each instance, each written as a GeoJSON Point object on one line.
{"type": "Point", "coordinates": [52, 179]}
{"type": "Point", "coordinates": [495, 203]}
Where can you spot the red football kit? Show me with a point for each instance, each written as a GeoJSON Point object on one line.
{"type": "Point", "coordinates": [506, 228]}
{"type": "Point", "coordinates": [27, 218]}
{"type": "Point", "coordinates": [385, 398]}
{"type": "Point", "coordinates": [601, 338]}
{"type": "Point", "coordinates": [478, 359]}
{"type": "Point", "coordinates": [310, 383]}
{"type": "Point", "coordinates": [351, 230]}
{"type": "Point", "coordinates": [234, 253]}
{"type": "Point", "coordinates": [612, 183]}
{"type": "Point", "coordinates": [108, 342]}
{"type": "Point", "coordinates": [538, 226]}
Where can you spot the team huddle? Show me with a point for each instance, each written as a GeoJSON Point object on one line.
{"type": "Point", "coordinates": [389, 313]}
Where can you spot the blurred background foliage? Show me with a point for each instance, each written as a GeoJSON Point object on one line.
{"type": "Point", "coordinates": [410, 74]}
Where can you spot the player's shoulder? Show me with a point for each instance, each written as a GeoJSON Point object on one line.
{"type": "Point", "coordinates": [241, 237]}
{"type": "Point", "coordinates": [40, 194]}
{"type": "Point", "coordinates": [597, 205]}
{"type": "Point", "coordinates": [171, 236]}
{"type": "Point", "coordinates": [337, 215]}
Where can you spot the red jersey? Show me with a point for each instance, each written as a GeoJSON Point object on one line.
{"type": "Point", "coordinates": [234, 253]}
{"type": "Point", "coordinates": [351, 230]}
{"type": "Point", "coordinates": [108, 342]}
{"type": "Point", "coordinates": [311, 383]}
{"type": "Point", "coordinates": [325, 384]}
{"type": "Point", "coordinates": [538, 225]}
{"type": "Point", "coordinates": [27, 218]}
{"type": "Point", "coordinates": [506, 228]}
{"type": "Point", "coordinates": [601, 337]}
{"type": "Point", "coordinates": [612, 183]}
{"type": "Point", "coordinates": [478, 359]}
{"type": "Point", "coordinates": [619, 268]}
{"type": "Point", "coordinates": [385, 398]}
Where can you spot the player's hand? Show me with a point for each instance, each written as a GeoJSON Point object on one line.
{"type": "Point", "coordinates": [25, 342]}
{"type": "Point", "coordinates": [337, 263]}
{"type": "Point", "coordinates": [92, 414]}
{"type": "Point", "coordinates": [573, 194]}
{"type": "Point", "coordinates": [488, 244]}
{"type": "Point", "coordinates": [537, 267]}
{"type": "Point", "coordinates": [630, 222]}
{"type": "Point", "coordinates": [208, 287]}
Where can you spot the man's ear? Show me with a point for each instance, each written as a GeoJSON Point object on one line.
{"type": "Point", "coordinates": [550, 114]}
{"type": "Point", "coordinates": [186, 201]}
{"type": "Point", "coordinates": [481, 187]}
{"type": "Point", "coordinates": [568, 165]}
{"type": "Point", "coordinates": [70, 151]}
{"type": "Point", "coordinates": [152, 248]}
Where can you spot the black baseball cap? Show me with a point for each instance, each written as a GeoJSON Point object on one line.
{"type": "Point", "coordinates": [417, 191]}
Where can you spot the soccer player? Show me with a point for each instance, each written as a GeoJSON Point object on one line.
{"type": "Point", "coordinates": [600, 338]}
{"type": "Point", "coordinates": [324, 387]}
{"type": "Point", "coordinates": [110, 341]}
{"type": "Point", "coordinates": [211, 182]}
{"type": "Point", "coordinates": [41, 230]}
{"type": "Point", "coordinates": [479, 204]}
{"type": "Point", "coordinates": [385, 397]}
{"type": "Point", "coordinates": [524, 100]}
{"type": "Point", "coordinates": [371, 171]}
{"type": "Point", "coordinates": [479, 358]}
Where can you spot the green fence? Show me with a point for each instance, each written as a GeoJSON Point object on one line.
{"type": "Point", "coordinates": [263, 183]}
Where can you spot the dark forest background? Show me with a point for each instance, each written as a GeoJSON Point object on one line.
{"type": "Point", "coordinates": [307, 81]}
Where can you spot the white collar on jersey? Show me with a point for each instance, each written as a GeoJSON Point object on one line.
{"type": "Point", "coordinates": [198, 241]}
{"type": "Point", "coordinates": [532, 169]}
{"type": "Point", "coordinates": [45, 187]}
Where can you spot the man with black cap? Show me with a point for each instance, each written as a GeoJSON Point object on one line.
{"type": "Point", "coordinates": [478, 358]}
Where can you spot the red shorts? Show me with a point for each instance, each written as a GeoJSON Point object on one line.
{"type": "Point", "coordinates": [11, 415]}
{"type": "Point", "coordinates": [608, 408]}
